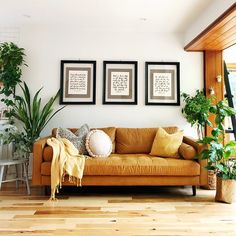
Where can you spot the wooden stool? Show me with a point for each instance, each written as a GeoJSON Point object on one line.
{"type": "Point", "coordinates": [24, 177]}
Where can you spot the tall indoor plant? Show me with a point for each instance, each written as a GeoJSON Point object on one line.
{"type": "Point", "coordinates": [196, 110]}
{"type": "Point", "coordinates": [218, 153]}
{"type": "Point", "coordinates": [33, 116]}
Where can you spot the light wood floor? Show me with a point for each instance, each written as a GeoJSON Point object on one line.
{"type": "Point", "coordinates": [115, 211]}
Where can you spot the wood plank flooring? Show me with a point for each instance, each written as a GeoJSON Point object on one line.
{"type": "Point", "coordinates": [115, 211]}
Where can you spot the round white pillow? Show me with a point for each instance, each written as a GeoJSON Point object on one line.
{"type": "Point", "coordinates": [98, 144]}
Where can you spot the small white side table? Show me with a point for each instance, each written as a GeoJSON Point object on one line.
{"type": "Point", "coordinates": [24, 177]}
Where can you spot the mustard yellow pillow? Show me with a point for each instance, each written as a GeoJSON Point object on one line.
{"type": "Point", "coordinates": [166, 145]}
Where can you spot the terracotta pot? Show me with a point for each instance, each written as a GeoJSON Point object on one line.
{"type": "Point", "coordinates": [225, 190]}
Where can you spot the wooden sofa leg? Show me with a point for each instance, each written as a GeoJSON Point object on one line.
{"type": "Point", "coordinates": [194, 188]}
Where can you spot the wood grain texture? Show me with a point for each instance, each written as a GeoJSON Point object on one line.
{"type": "Point", "coordinates": [219, 35]}
{"type": "Point", "coordinates": [120, 211]}
{"type": "Point", "coordinates": [213, 64]}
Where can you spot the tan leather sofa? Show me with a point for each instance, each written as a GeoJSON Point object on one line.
{"type": "Point", "coordinates": [130, 163]}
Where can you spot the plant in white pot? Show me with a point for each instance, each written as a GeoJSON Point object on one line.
{"type": "Point", "coordinates": [219, 154]}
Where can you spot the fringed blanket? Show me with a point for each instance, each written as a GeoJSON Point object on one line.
{"type": "Point", "coordinates": [66, 160]}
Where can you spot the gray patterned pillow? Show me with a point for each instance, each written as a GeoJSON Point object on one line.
{"type": "Point", "coordinates": [81, 133]}
{"type": "Point", "coordinates": [78, 138]}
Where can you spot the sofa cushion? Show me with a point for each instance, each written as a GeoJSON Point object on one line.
{"type": "Point", "coordinates": [110, 131]}
{"type": "Point", "coordinates": [77, 138]}
{"type": "Point", "coordinates": [135, 164]}
{"type": "Point", "coordinates": [166, 145]}
{"type": "Point", "coordinates": [188, 152]}
{"type": "Point", "coordinates": [66, 133]}
{"type": "Point", "coordinates": [54, 131]}
{"type": "Point", "coordinates": [137, 140]}
{"type": "Point", "coordinates": [98, 144]}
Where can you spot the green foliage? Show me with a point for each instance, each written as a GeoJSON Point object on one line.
{"type": "Point", "coordinates": [32, 114]}
{"type": "Point", "coordinates": [11, 60]}
{"type": "Point", "coordinates": [11, 134]}
{"type": "Point", "coordinates": [218, 155]}
{"type": "Point", "coordinates": [196, 110]}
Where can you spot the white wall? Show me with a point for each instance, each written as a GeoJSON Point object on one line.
{"type": "Point", "coordinates": [47, 45]}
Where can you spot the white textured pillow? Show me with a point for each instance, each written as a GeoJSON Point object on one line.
{"type": "Point", "coordinates": [98, 144]}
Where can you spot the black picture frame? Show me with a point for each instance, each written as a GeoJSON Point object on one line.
{"type": "Point", "coordinates": [162, 83]}
{"type": "Point", "coordinates": [126, 92]}
{"type": "Point", "coordinates": [78, 82]}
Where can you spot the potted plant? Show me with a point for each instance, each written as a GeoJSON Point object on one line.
{"type": "Point", "coordinates": [32, 115]}
{"type": "Point", "coordinates": [219, 154]}
{"type": "Point", "coordinates": [196, 110]}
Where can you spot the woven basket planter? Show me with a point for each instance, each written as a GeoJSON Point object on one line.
{"type": "Point", "coordinates": [225, 190]}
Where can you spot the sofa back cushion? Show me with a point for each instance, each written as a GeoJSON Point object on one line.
{"type": "Point", "coordinates": [137, 140]}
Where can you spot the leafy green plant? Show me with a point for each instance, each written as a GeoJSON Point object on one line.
{"type": "Point", "coordinates": [196, 110]}
{"type": "Point", "coordinates": [11, 134]}
{"type": "Point", "coordinates": [33, 116]}
{"type": "Point", "coordinates": [11, 61]}
{"type": "Point", "coordinates": [218, 153]}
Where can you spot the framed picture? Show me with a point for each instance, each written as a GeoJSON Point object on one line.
{"type": "Point", "coordinates": [120, 82]}
{"type": "Point", "coordinates": [78, 82]}
{"type": "Point", "coordinates": [162, 83]}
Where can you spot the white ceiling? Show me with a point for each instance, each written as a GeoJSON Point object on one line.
{"type": "Point", "coordinates": [107, 15]}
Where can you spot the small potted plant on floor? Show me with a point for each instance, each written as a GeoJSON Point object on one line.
{"type": "Point", "coordinates": [219, 154]}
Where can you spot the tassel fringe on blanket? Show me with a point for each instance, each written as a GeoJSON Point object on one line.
{"type": "Point", "coordinates": [66, 161]}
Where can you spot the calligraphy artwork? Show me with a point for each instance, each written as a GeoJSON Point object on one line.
{"type": "Point", "coordinates": [120, 82]}
{"type": "Point", "coordinates": [78, 82]}
{"type": "Point", "coordinates": [162, 83]}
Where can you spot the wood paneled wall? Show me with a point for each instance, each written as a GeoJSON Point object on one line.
{"type": "Point", "coordinates": [213, 62]}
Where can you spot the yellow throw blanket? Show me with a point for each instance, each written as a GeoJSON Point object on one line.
{"type": "Point", "coordinates": [66, 160]}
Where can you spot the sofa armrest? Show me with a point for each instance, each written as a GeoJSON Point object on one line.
{"type": "Point", "coordinates": [38, 159]}
{"type": "Point", "coordinates": [199, 147]}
